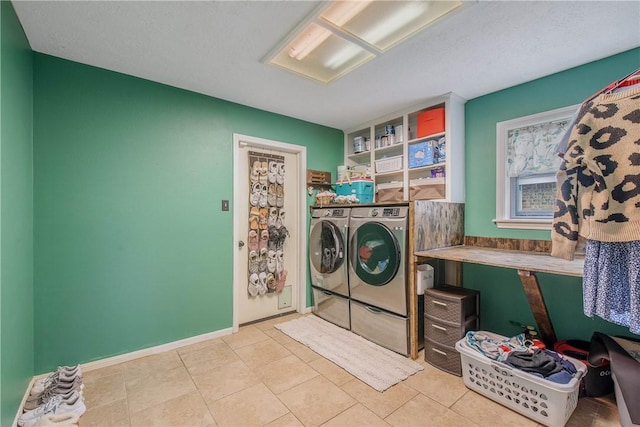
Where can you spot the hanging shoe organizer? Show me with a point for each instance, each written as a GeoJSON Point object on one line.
{"type": "Point", "coordinates": [267, 232]}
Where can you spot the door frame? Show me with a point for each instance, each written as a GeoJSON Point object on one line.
{"type": "Point", "coordinates": [301, 159]}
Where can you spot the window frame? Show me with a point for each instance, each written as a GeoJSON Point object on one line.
{"type": "Point", "coordinates": [506, 194]}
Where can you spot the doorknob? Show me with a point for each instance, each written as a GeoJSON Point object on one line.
{"type": "Point", "coordinates": [241, 244]}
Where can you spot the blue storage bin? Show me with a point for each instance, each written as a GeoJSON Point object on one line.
{"type": "Point", "coordinates": [420, 154]}
{"type": "Point", "coordinates": [362, 188]}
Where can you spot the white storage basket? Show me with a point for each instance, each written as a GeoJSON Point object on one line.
{"type": "Point", "coordinates": [389, 164]}
{"type": "Point", "coordinates": [544, 401]}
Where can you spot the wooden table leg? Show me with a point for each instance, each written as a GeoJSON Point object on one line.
{"type": "Point", "coordinates": [538, 307]}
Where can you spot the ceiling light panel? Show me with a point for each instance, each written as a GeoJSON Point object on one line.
{"type": "Point", "coordinates": [320, 54]}
{"type": "Point", "coordinates": [384, 24]}
{"type": "Point", "coordinates": [340, 37]}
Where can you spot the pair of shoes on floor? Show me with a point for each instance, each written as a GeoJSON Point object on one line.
{"type": "Point", "coordinates": [63, 374]}
{"type": "Point", "coordinates": [57, 405]}
{"type": "Point", "coordinates": [63, 381]}
{"type": "Point", "coordinates": [34, 401]}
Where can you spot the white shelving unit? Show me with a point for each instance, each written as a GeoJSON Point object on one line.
{"type": "Point", "coordinates": [454, 148]}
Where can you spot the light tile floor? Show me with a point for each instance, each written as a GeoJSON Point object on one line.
{"type": "Point", "coordinates": [261, 377]}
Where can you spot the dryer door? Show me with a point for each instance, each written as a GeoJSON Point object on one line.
{"type": "Point", "coordinates": [375, 255]}
{"type": "Point", "coordinates": [376, 265]}
{"type": "Point", "coordinates": [327, 253]}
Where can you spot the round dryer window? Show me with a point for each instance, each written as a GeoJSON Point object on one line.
{"type": "Point", "coordinates": [375, 254]}
{"type": "Point", "coordinates": [326, 247]}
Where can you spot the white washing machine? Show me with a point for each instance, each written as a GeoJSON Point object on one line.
{"type": "Point", "coordinates": [377, 275]}
{"type": "Point", "coordinates": [328, 264]}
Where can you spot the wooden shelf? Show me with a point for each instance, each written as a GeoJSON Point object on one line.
{"type": "Point", "coordinates": [425, 138]}
{"type": "Point", "coordinates": [428, 167]}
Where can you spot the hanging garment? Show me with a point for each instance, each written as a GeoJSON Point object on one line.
{"type": "Point", "coordinates": [611, 282]}
{"type": "Point", "coordinates": [598, 182]}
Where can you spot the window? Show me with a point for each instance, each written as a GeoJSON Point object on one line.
{"type": "Point", "coordinates": [527, 161]}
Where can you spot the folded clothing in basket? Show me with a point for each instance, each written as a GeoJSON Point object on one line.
{"type": "Point", "coordinates": [543, 363]}
{"type": "Point", "coordinates": [520, 353]}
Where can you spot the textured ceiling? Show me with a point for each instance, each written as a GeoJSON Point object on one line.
{"type": "Point", "coordinates": [215, 48]}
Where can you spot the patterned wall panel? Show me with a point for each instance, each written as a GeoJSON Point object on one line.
{"type": "Point", "coordinates": [438, 224]}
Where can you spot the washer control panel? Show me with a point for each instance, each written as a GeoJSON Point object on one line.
{"type": "Point", "coordinates": [335, 213]}
{"type": "Point", "coordinates": [386, 212]}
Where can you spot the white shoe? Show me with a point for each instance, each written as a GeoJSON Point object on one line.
{"type": "Point", "coordinates": [56, 405]}
{"type": "Point", "coordinates": [61, 374]}
{"type": "Point", "coordinates": [262, 280]}
{"type": "Point", "coordinates": [273, 172]}
{"type": "Point", "coordinates": [281, 174]}
{"type": "Point", "coordinates": [34, 401]}
{"type": "Point", "coordinates": [56, 387]}
{"type": "Point", "coordinates": [271, 261]}
{"type": "Point", "coordinates": [252, 288]}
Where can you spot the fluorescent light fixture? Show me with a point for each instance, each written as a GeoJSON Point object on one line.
{"type": "Point", "coordinates": [340, 12]}
{"type": "Point", "coordinates": [307, 41]}
{"type": "Point", "coordinates": [343, 35]}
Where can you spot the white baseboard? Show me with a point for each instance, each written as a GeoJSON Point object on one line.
{"type": "Point", "coordinates": [110, 361]}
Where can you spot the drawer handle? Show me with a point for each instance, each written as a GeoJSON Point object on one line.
{"type": "Point", "coordinates": [439, 303]}
{"type": "Point", "coordinates": [372, 310]}
{"type": "Point", "coordinates": [439, 351]}
{"type": "Point", "coordinates": [439, 327]}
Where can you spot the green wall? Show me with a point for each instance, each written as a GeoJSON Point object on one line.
{"type": "Point", "coordinates": [131, 247]}
{"type": "Point", "coordinates": [16, 214]}
{"type": "Point", "coordinates": [501, 291]}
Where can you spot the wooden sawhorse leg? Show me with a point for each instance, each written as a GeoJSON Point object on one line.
{"type": "Point", "coordinates": [538, 307]}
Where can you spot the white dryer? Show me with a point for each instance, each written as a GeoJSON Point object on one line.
{"type": "Point", "coordinates": [328, 264]}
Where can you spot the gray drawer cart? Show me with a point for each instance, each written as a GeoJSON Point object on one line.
{"type": "Point", "coordinates": [449, 312]}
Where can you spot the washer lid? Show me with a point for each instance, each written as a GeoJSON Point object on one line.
{"type": "Point", "coordinates": [375, 253]}
{"type": "Point", "coordinates": [326, 247]}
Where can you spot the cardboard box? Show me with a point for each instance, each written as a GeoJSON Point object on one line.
{"type": "Point", "coordinates": [430, 122]}
{"type": "Point", "coordinates": [427, 189]}
{"type": "Point", "coordinates": [390, 192]}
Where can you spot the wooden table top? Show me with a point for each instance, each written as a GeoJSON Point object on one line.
{"type": "Point", "coordinates": [519, 260]}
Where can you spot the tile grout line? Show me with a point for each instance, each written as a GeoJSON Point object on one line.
{"type": "Point", "coordinates": [198, 388]}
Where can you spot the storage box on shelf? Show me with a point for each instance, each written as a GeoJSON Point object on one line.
{"type": "Point", "coordinates": [430, 121]}
{"type": "Point", "coordinates": [389, 164]}
{"type": "Point", "coordinates": [544, 401]}
{"type": "Point", "coordinates": [449, 312]}
{"type": "Point", "coordinates": [390, 192]}
{"type": "Point", "coordinates": [396, 141]}
{"type": "Point", "coordinates": [362, 188]}
{"type": "Point", "coordinates": [420, 154]}
{"type": "Point", "coordinates": [427, 189]}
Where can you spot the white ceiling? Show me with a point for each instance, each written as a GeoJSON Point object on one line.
{"type": "Point", "coordinates": [216, 47]}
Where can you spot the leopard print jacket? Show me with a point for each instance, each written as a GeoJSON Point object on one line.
{"type": "Point", "coordinates": [598, 183]}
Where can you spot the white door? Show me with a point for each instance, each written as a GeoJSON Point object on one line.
{"type": "Point", "coordinates": [269, 198]}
